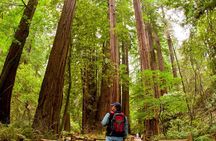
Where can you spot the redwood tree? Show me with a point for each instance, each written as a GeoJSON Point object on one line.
{"type": "Point", "coordinates": [89, 83]}
{"type": "Point", "coordinates": [159, 52]}
{"type": "Point", "coordinates": [66, 115]}
{"type": "Point", "coordinates": [110, 91]}
{"type": "Point", "coordinates": [114, 53]}
{"type": "Point", "coordinates": [171, 52]}
{"type": "Point", "coordinates": [145, 43]}
{"type": "Point", "coordinates": [154, 67]}
{"type": "Point", "coordinates": [125, 82]}
{"type": "Point", "coordinates": [160, 61]}
{"type": "Point", "coordinates": [143, 50]}
{"type": "Point", "coordinates": [47, 116]}
{"type": "Point", "coordinates": [9, 70]}
{"type": "Point", "coordinates": [104, 98]}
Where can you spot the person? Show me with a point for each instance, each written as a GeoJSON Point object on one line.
{"type": "Point", "coordinates": [115, 120]}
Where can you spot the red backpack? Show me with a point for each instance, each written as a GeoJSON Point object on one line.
{"type": "Point", "coordinates": [118, 124]}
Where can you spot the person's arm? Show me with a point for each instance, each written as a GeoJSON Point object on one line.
{"type": "Point", "coordinates": [105, 120]}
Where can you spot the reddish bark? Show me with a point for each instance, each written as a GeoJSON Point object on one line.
{"type": "Point", "coordinates": [159, 52]}
{"type": "Point", "coordinates": [154, 126]}
{"type": "Point", "coordinates": [110, 91]}
{"type": "Point", "coordinates": [67, 125]}
{"type": "Point", "coordinates": [160, 61]}
{"type": "Point", "coordinates": [66, 115]}
{"type": "Point", "coordinates": [104, 99]}
{"type": "Point", "coordinates": [114, 53]}
{"type": "Point", "coordinates": [145, 46]}
{"type": "Point", "coordinates": [125, 85]}
{"type": "Point", "coordinates": [89, 97]}
{"type": "Point", "coordinates": [143, 50]}
{"type": "Point", "coordinates": [47, 116]}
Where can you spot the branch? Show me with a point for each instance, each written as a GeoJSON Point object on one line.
{"type": "Point", "coordinates": [24, 3]}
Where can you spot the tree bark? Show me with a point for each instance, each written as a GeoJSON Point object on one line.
{"type": "Point", "coordinates": [89, 96]}
{"type": "Point", "coordinates": [154, 126]}
{"type": "Point", "coordinates": [110, 91]}
{"type": "Point", "coordinates": [160, 62]}
{"type": "Point", "coordinates": [66, 114]}
{"type": "Point", "coordinates": [125, 84]}
{"type": "Point", "coordinates": [145, 46]}
{"type": "Point", "coordinates": [47, 116]}
{"type": "Point", "coordinates": [159, 52]}
{"type": "Point", "coordinates": [143, 50]}
{"type": "Point", "coordinates": [104, 98]}
{"type": "Point", "coordinates": [9, 70]}
{"type": "Point", "coordinates": [160, 59]}
{"type": "Point", "coordinates": [67, 125]}
{"type": "Point", "coordinates": [144, 55]}
{"type": "Point", "coordinates": [114, 53]}
{"type": "Point", "coordinates": [171, 52]}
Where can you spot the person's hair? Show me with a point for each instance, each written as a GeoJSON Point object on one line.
{"type": "Point", "coordinates": [118, 108]}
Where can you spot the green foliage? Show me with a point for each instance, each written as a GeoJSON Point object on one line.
{"type": "Point", "coordinates": [173, 103]}
{"type": "Point", "coordinates": [9, 133]}
{"type": "Point", "coordinates": [204, 138]}
{"type": "Point", "coordinates": [25, 93]}
{"type": "Point", "coordinates": [28, 84]}
{"type": "Point", "coordinates": [17, 130]}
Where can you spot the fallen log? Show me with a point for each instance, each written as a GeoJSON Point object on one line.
{"type": "Point", "coordinates": [176, 140]}
{"type": "Point", "coordinates": [74, 138]}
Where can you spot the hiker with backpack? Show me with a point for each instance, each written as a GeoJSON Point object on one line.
{"type": "Point", "coordinates": [116, 122]}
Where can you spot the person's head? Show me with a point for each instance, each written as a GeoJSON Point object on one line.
{"type": "Point", "coordinates": [116, 106]}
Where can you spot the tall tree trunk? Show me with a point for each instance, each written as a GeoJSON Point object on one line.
{"type": "Point", "coordinates": [110, 84]}
{"type": "Point", "coordinates": [180, 72]}
{"type": "Point", "coordinates": [144, 60]}
{"type": "Point", "coordinates": [89, 96]}
{"type": "Point", "coordinates": [159, 52]}
{"type": "Point", "coordinates": [67, 125]}
{"type": "Point", "coordinates": [47, 116]}
{"type": "Point", "coordinates": [104, 98]}
{"type": "Point", "coordinates": [66, 114]}
{"type": "Point", "coordinates": [114, 52]}
{"type": "Point", "coordinates": [143, 50]}
{"type": "Point", "coordinates": [9, 70]}
{"type": "Point", "coordinates": [153, 64]}
{"type": "Point", "coordinates": [171, 52]}
{"type": "Point", "coordinates": [170, 45]}
{"type": "Point", "coordinates": [160, 61]}
{"type": "Point", "coordinates": [163, 90]}
{"type": "Point", "coordinates": [125, 84]}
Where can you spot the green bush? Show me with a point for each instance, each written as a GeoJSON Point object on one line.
{"type": "Point", "coordinates": [9, 133]}
{"type": "Point", "coordinates": [204, 138]}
